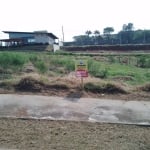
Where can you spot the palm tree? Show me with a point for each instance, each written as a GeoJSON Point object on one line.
{"type": "Point", "coordinates": [88, 33]}
{"type": "Point", "coordinates": [96, 33]}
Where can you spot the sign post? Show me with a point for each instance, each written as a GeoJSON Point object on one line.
{"type": "Point", "coordinates": [81, 69]}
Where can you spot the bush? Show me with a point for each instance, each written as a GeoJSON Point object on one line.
{"type": "Point", "coordinates": [101, 73]}
{"type": "Point", "coordinates": [111, 59]}
{"type": "Point", "coordinates": [97, 70]}
{"type": "Point", "coordinates": [143, 62]}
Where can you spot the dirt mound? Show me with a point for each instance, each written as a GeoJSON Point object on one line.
{"type": "Point", "coordinates": [57, 86]}
{"type": "Point", "coordinates": [108, 88]}
{"type": "Point", "coordinates": [145, 87]}
{"type": "Point", "coordinates": [29, 84]}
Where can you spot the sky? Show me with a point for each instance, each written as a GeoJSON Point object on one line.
{"type": "Point", "coordinates": [76, 16]}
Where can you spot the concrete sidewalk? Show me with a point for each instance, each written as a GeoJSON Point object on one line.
{"type": "Point", "coordinates": [83, 109]}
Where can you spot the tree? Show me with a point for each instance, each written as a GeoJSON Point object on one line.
{"type": "Point", "coordinates": [96, 33]}
{"type": "Point", "coordinates": [130, 27]}
{"type": "Point", "coordinates": [108, 30]}
{"type": "Point", "coordinates": [127, 33]}
{"type": "Point", "coordinates": [83, 40]}
{"type": "Point", "coordinates": [88, 33]}
{"type": "Point", "coordinates": [127, 27]}
{"type": "Point", "coordinates": [97, 38]}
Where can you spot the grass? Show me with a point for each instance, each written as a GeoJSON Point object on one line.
{"type": "Point", "coordinates": [111, 70]}
{"type": "Point", "coordinates": [41, 66]}
{"type": "Point", "coordinates": [12, 59]}
{"type": "Point", "coordinates": [48, 63]}
{"type": "Point", "coordinates": [65, 61]}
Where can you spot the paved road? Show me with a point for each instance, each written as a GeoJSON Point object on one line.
{"type": "Point", "coordinates": [83, 109]}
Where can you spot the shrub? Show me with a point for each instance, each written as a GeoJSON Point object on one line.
{"type": "Point", "coordinates": [97, 70]}
{"type": "Point", "coordinates": [111, 59]}
{"type": "Point", "coordinates": [101, 73]}
{"type": "Point", "coordinates": [141, 61]}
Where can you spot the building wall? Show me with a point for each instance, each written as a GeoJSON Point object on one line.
{"type": "Point", "coordinates": [33, 38]}
{"type": "Point", "coordinates": [43, 38]}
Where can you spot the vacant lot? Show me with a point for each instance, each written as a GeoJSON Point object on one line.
{"type": "Point", "coordinates": [123, 76]}
{"type": "Point", "coordinates": [62, 135]}
{"type": "Point", "coordinates": [110, 76]}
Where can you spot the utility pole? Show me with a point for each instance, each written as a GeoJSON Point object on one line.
{"type": "Point", "coordinates": [63, 35]}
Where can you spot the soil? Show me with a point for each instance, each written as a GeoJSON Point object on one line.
{"type": "Point", "coordinates": [69, 135]}
{"type": "Point", "coordinates": [63, 135]}
{"type": "Point", "coordinates": [65, 87]}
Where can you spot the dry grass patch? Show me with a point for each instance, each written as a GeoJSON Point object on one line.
{"type": "Point", "coordinates": [145, 87]}
{"type": "Point", "coordinates": [109, 88]}
{"type": "Point", "coordinates": [30, 84]}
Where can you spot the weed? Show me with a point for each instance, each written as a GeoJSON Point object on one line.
{"type": "Point", "coordinates": [8, 59]}
{"type": "Point", "coordinates": [97, 70]}
{"type": "Point", "coordinates": [111, 59]}
{"type": "Point", "coordinates": [33, 58]}
{"type": "Point", "coordinates": [41, 66]}
{"type": "Point", "coordinates": [62, 61]}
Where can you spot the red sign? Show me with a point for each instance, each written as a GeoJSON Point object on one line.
{"type": "Point", "coordinates": [81, 68]}
{"type": "Point", "coordinates": [82, 73]}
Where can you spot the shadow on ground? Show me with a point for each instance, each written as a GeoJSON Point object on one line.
{"type": "Point", "coordinates": [74, 95]}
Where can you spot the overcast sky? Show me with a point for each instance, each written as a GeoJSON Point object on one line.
{"type": "Point", "coordinates": [76, 16]}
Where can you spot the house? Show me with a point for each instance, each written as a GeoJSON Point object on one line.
{"type": "Point", "coordinates": [26, 38]}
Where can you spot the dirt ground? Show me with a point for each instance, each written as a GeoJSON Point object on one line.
{"type": "Point", "coordinates": [69, 87]}
{"type": "Point", "coordinates": [67, 135]}
{"type": "Point", "coordinates": [63, 135]}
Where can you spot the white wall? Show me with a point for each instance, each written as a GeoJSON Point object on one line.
{"type": "Point", "coordinates": [43, 38]}
{"type": "Point", "coordinates": [56, 47]}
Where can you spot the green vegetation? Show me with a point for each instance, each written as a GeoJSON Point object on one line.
{"type": "Point", "coordinates": [12, 59]}
{"type": "Point", "coordinates": [62, 61]}
{"type": "Point", "coordinates": [135, 70]}
{"type": "Point", "coordinates": [125, 36]}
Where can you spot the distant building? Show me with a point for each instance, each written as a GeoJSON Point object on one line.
{"type": "Point", "coordinates": [23, 38]}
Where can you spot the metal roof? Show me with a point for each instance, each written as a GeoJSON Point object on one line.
{"type": "Point", "coordinates": [49, 34]}
{"type": "Point", "coordinates": [12, 40]}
